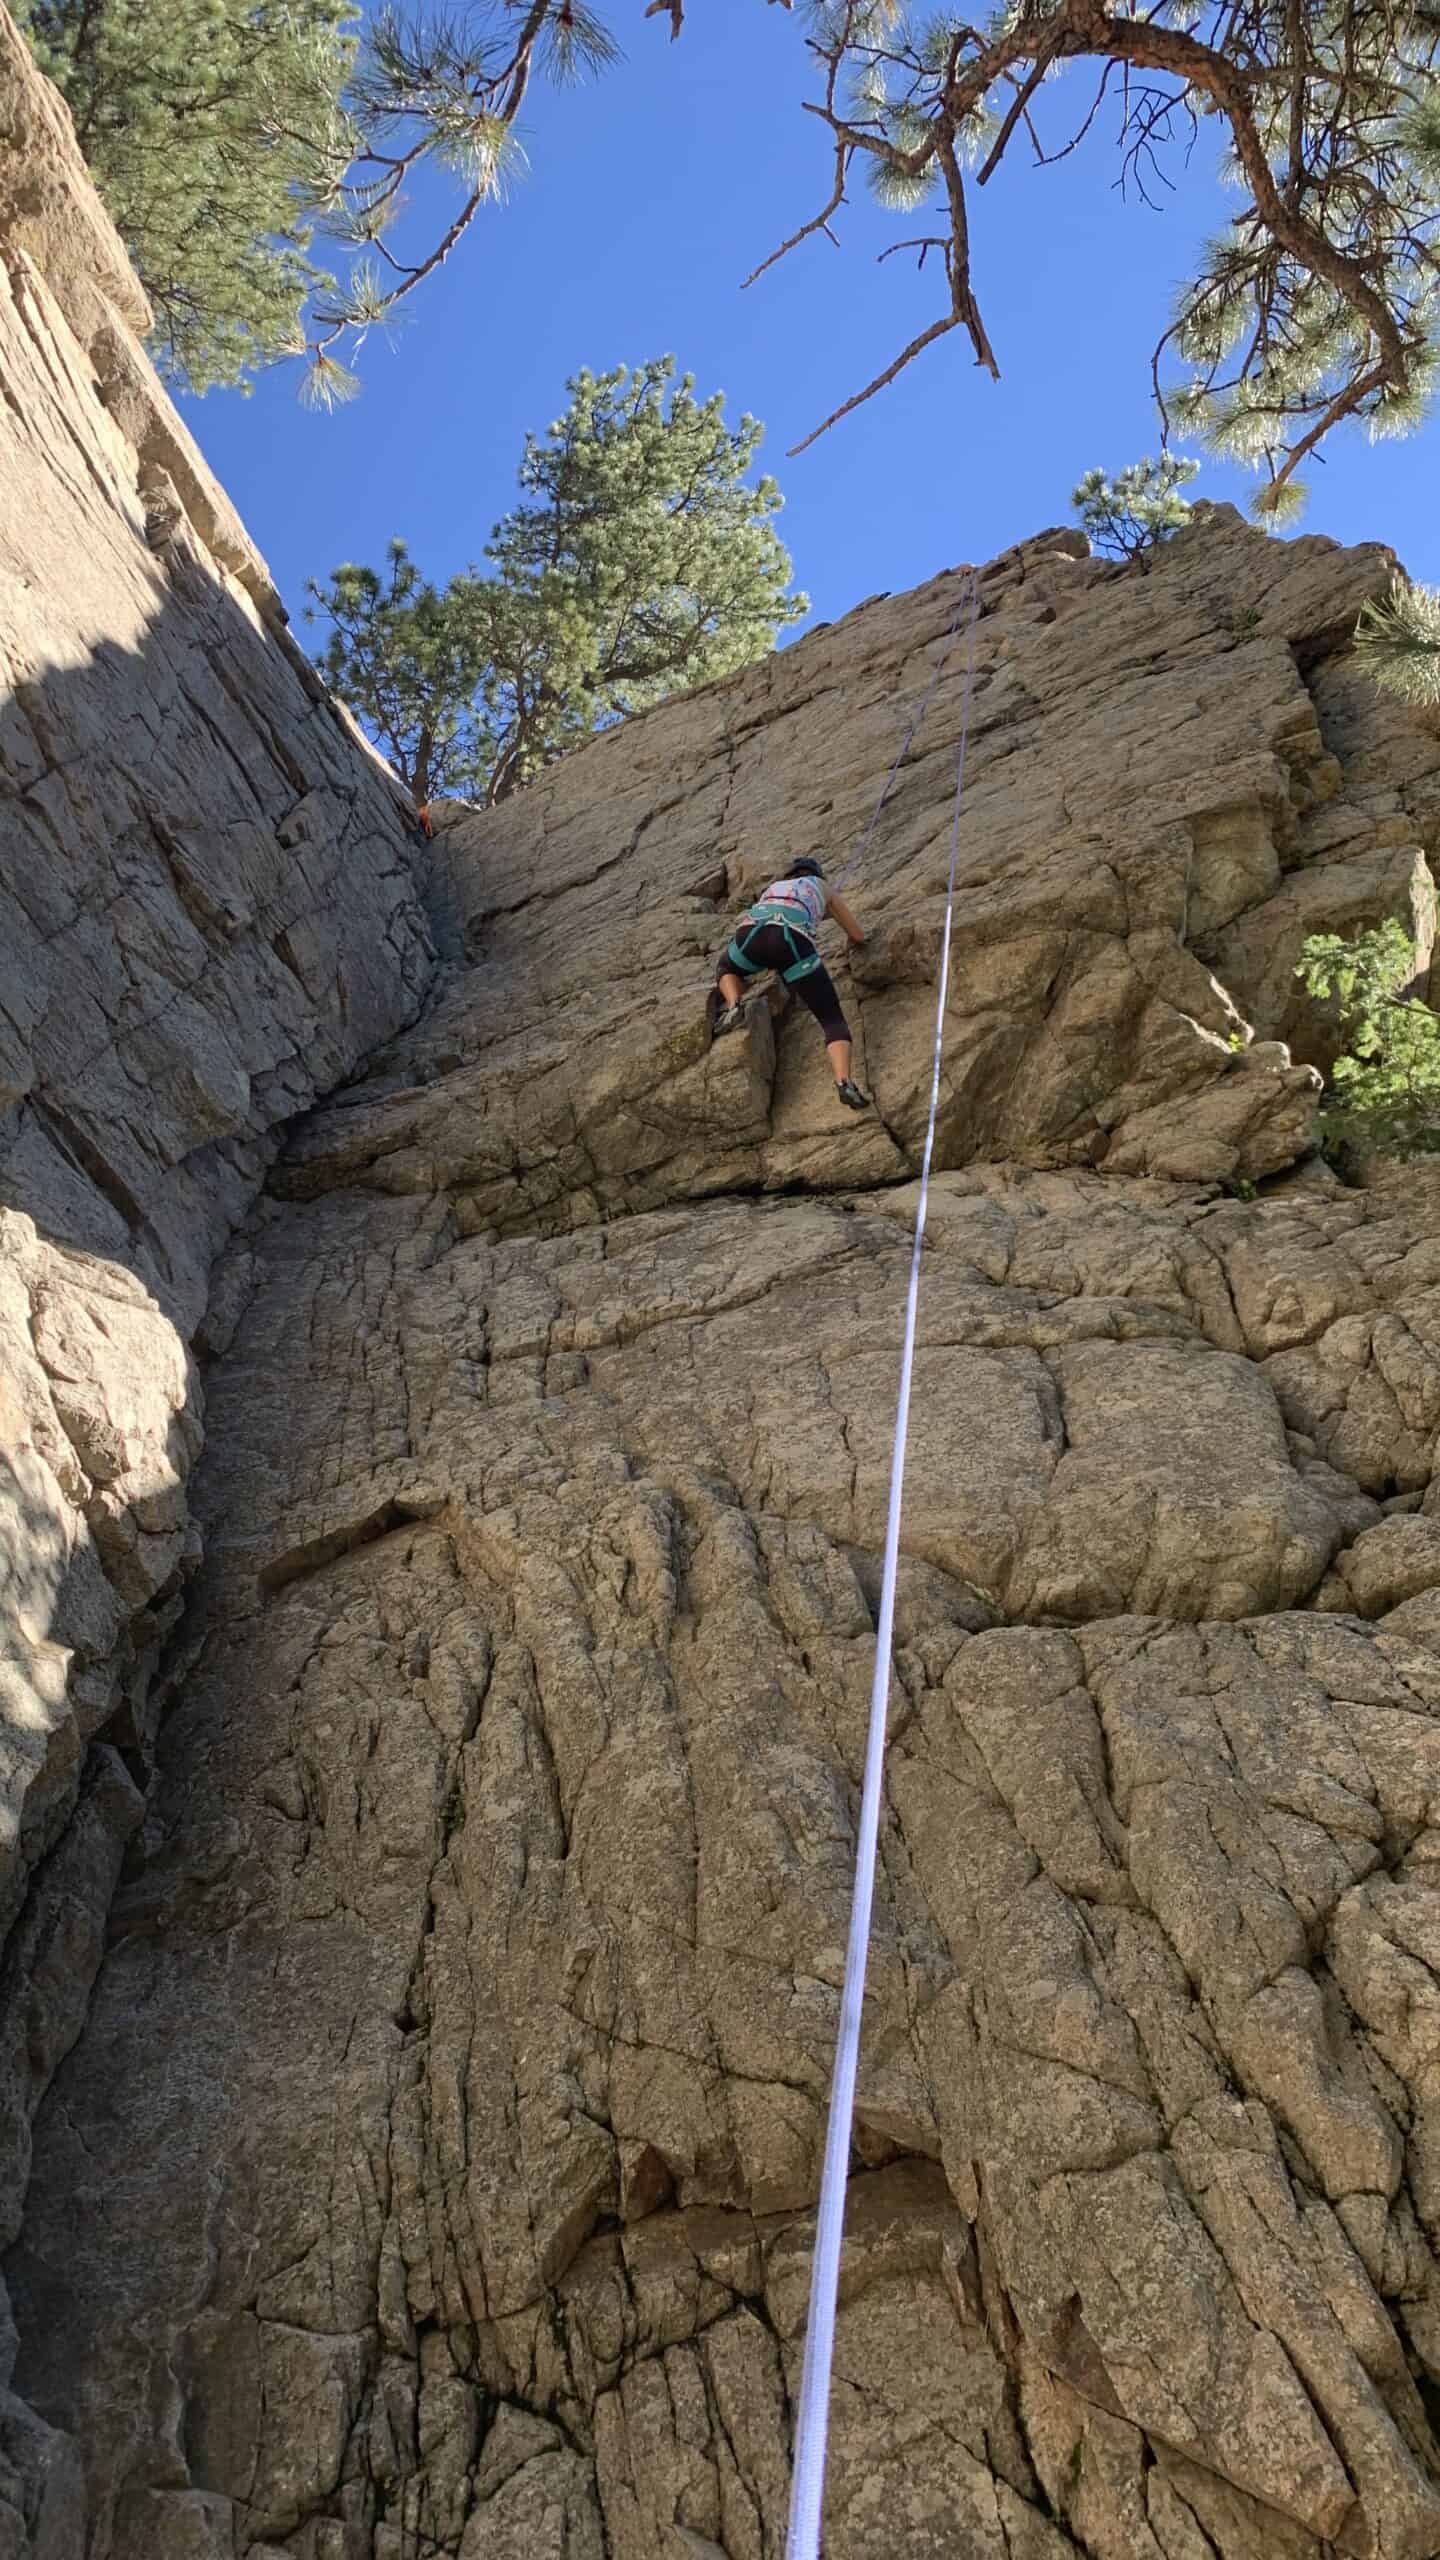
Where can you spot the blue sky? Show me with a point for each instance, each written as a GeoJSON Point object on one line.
{"type": "Point", "coordinates": [650, 196]}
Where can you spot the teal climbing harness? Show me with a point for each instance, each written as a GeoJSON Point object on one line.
{"type": "Point", "coordinates": [792, 921]}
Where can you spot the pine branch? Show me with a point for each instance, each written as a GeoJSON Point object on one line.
{"type": "Point", "coordinates": [1399, 641]}
{"type": "Point", "coordinates": [818, 222]}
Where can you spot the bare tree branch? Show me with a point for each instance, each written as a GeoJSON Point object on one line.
{"type": "Point", "coordinates": [917, 346]}
{"type": "Point", "coordinates": [1023, 95]}
{"type": "Point", "coordinates": [1336, 258]}
{"type": "Point", "coordinates": [818, 222]}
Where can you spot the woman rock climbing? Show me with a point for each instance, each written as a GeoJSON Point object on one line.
{"type": "Point", "coordinates": [778, 933]}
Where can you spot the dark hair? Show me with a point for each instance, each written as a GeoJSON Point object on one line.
{"type": "Point", "coordinates": [807, 869]}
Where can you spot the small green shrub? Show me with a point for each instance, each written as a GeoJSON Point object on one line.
{"type": "Point", "coordinates": [1384, 1094]}
{"type": "Point", "coordinates": [1133, 514]}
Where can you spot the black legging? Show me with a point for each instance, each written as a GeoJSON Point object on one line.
{"type": "Point", "coordinates": [768, 946]}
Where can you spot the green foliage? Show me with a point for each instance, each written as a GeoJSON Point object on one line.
{"type": "Point", "coordinates": [1135, 512]}
{"type": "Point", "coordinates": [1279, 347]}
{"type": "Point", "coordinates": [230, 137]}
{"type": "Point", "coordinates": [639, 562]}
{"type": "Point", "coordinates": [1399, 641]}
{"type": "Point", "coordinates": [1385, 1091]}
{"type": "Point", "coordinates": [408, 667]}
{"type": "Point", "coordinates": [203, 122]}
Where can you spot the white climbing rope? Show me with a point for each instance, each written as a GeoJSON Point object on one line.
{"type": "Point", "coordinates": [916, 722]}
{"type": "Point", "coordinates": [808, 2483]}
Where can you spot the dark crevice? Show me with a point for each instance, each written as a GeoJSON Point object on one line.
{"type": "Point", "coordinates": [87, 1159]}
{"type": "Point", "coordinates": [315, 1553]}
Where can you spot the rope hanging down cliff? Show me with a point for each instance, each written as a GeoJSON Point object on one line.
{"type": "Point", "coordinates": [968, 591]}
{"type": "Point", "coordinates": [808, 2485]}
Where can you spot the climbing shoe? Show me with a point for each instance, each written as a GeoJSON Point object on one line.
{"type": "Point", "coordinates": [851, 1095]}
{"type": "Point", "coordinates": [729, 1018]}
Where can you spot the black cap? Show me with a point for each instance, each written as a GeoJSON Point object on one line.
{"type": "Point", "coordinates": [808, 869]}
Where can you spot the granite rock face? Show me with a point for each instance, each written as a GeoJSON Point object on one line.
{"type": "Point", "coordinates": [207, 917]}
{"type": "Point", "coordinates": [437, 2046]}
{"type": "Point", "coordinates": [462, 2047]}
{"type": "Point", "coordinates": [462, 2044]}
{"type": "Point", "coordinates": [1147, 794]}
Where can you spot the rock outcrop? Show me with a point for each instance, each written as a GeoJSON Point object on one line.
{"type": "Point", "coordinates": [430, 2172]}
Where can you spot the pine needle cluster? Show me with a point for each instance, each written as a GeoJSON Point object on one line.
{"type": "Point", "coordinates": [1399, 641]}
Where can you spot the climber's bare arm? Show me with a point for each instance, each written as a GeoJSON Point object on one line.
{"type": "Point", "coordinates": [837, 908]}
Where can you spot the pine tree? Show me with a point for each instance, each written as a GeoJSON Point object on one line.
{"type": "Point", "coordinates": [205, 123]}
{"type": "Point", "coordinates": [1399, 641]}
{"type": "Point", "coordinates": [1135, 512]}
{"type": "Point", "coordinates": [230, 137]}
{"type": "Point", "coordinates": [640, 561]}
{"type": "Point", "coordinates": [411, 666]}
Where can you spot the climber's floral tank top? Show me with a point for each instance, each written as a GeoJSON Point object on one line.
{"type": "Point", "coordinates": [808, 895]}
